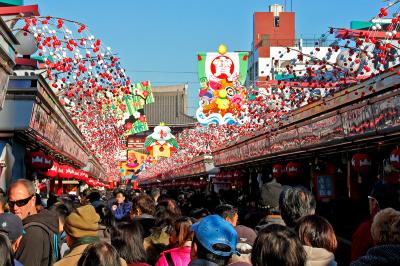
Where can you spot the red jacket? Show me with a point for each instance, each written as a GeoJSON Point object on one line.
{"type": "Point", "coordinates": [361, 240]}
{"type": "Point", "coordinates": [180, 257]}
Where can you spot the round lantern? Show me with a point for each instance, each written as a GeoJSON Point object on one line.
{"type": "Point", "coordinates": [47, 162]}
{"type": "Point", "coordinates": [395, 158]}
{"type": "Point", "coordinates": [28, 44]}
{"type": "Point", "coordinates": [293, 169]}
{"type": "Point", "coordinates": [53, 171]}
{"type": "Point", "coordinates": [36, 159]}
{"type": "Point", "coordinates": [277, 170]}
{"type": "Point", "coordinates": [361, 163]}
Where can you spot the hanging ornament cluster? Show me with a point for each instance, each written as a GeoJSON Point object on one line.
{"type": "Point", "coordinates": [351, 57]}
{"type": "Point", "coordinates": [89, 80]}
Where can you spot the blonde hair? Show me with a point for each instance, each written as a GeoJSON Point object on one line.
{"type": "Point", "coordinates": [385, 227]}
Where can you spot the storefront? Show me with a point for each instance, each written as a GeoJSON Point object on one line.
{"type": "Point", "coordinates": [36, 128]}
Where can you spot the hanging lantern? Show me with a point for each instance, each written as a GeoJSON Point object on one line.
{"type": "Point", "coordinates": [277, 170]}
{"type": "Point", "coordinates": [293, 169]}
{"type": "Point", "coordinates": [395, 158]}
{"type": "Point", "coordinates": [47, 162]}
{"type": "Point", "coordinates": [361, 163]}
{"type": "Point", "coordinates": [36, 159]}
{"type": "Point", "coordinates": [53, 171]}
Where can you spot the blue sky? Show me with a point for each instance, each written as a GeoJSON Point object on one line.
{"type": "Point", "coordinates": [164, 36]}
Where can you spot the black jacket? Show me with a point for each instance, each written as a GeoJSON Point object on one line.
{"type": "Point", "coordinates": [35, 246]}
{"type": "Point", "coordinates": [383, 255]}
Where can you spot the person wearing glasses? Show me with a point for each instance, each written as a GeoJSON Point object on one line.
{"type": "Point", "coordinates": [40, 243]}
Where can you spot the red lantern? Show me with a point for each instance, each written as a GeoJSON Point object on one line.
{"type": "Point", "coordinates": [293, 169]}
{"type": "Point", "coordinates": [36, 159]}
{"type": "Point", "coordinates": [395, 158]}
{"type": "Point", "coordinates": [361, 163]}
{"type": "Point", "coordinates": [53, 171]}
{"type": "Point", "coordinates": [277, 170]}
{"type": "Point", "coordinates": [47, 162]}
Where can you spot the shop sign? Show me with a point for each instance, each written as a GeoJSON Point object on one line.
{"type": "Point", "coordinates": [387, 113]}
{"type": "Point", "coordinates": [358, 121]}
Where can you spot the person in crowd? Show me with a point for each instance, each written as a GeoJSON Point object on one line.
{"type": "Point", "coordinates": [199, 213]}
{"type": "Point", "coordinates": [228, 212]}
{"type": "Point", "coordinates": [181, 240]}
{"type": "Point", "coordinates": [62, 210]}
{"type": "Point", "coordinates": [382, 196]}
{"type": "Point", "coordinates": [318, 239]}
{"type": "Point", "coordinates": [121, 208]}
{"type": "Point", "coordinates": [6, 254]}
{"type": "Point", "coordinates": [155, 194]}
{"type": "Point", "coordinates": [294, 203]}
{"type": "Point", "coordinates": [3, 203]}
{"type": "Point", "coordinates": [39, 244]}
{"type": "Point", "coordinates": [143, 209]}
{"type": "Point", "coordinates": [270, 193]}
{"type": "Point", "coordinates": [167, 211]}
{"type": "Point", "coordinates": [127, 238]}
{"type": "Point", "coordinates": [81, 228]}
{"type": "Point", "coordinates": [38, 203]}
{"type": "Point", "coordinates": [386, 234]}
{"type": "Point", "coordinates": [12, 226]}
{"type": "Point", "coordinates": [245, 242]}
{"type": "Point", "coordinates": [278, 245]}
{"type": "Point", "coordinates": [100, 254]}
{"type": "Point", "coordinates": [214, 242]}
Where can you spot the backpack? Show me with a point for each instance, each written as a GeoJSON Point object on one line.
{"type": "Point", "coordinates": [54, 241]}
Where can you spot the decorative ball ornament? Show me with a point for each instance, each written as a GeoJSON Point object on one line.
{"type": "Point", "coordinates": [222, 49]}
{"type": "Point", "coordinates": [28, 44]}
{"type": "Point", "coordinates": [395, 158]}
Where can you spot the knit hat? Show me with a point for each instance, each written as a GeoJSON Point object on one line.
{"type": "Point", "coordinates": [84, 221]}
{"type": "Point", "coordinates": [270, 194]}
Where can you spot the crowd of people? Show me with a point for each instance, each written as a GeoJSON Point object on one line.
{"type": "Point", "coordinates": [161, 228]}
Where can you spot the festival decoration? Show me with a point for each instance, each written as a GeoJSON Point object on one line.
{"type": "Point", "coordinates": [278, 170]}
{"type": "Point", "coordinates": [89, 80]}
{"type": "Point", "coordinates": [53, 171]}
{"type": "Point", "coordinates": [161, 143]}
{"type": "Point", "coordinates": [293, 169]}
{"type": "Point", "coordinates": [395, 158]}
{"type": "Point", "coordinates": [361, 163]}
{"type": "Point", "coordinates": [222, 94]}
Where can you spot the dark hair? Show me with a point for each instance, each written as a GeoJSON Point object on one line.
{"type": "Point", "coordinates": [94, 196]}
{"type": "Point", "coordinates": [294, 203]}
{"type": "Point", "coordinates": [203, 253]}
{"type": "Point", "coordinates": [61, 210]}
{"type": "Point", "coordinates": [120, 192]}
{"type": "Point", "coordinates": [100, 254]}
{"type": "Point", "coordinates": [127, 238]}
{"type": "Point", "coordinates": [6, 254]}
{"type": "Point", "coordinates": [183, 231]}
{"type": "Point", "coordinates": [277, 245]}
{"type": "Point", "coordinates": [144, 203]}
{"type": "Point", "coordinates": [317, 232]}
{"type": "Point", "coordinates": [199, 213]}
{"type": "Point", "coordinates": [167, 211]}
{"type": "Point", "coordinates": [226, 210]}
{"type": "Point", "coordinates": [3, 201]}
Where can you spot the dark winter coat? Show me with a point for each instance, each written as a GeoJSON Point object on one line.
{"type": "Point", "coordinates": [383, 255]}
{"type": "Point", "coordinates": [35, 247]}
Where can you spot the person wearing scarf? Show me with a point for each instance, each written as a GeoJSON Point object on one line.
{"type": "Point", "coordinates": [81, 228]}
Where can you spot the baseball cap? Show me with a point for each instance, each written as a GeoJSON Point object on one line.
{"type": "Point", "coordinates": [387, 195]}
{"type": "Point", "coordinates": [246, 238]}
{"type": "Point", "coordinates": [12, 225]}
{"type": "Point", "coordinates": [213, 229]}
